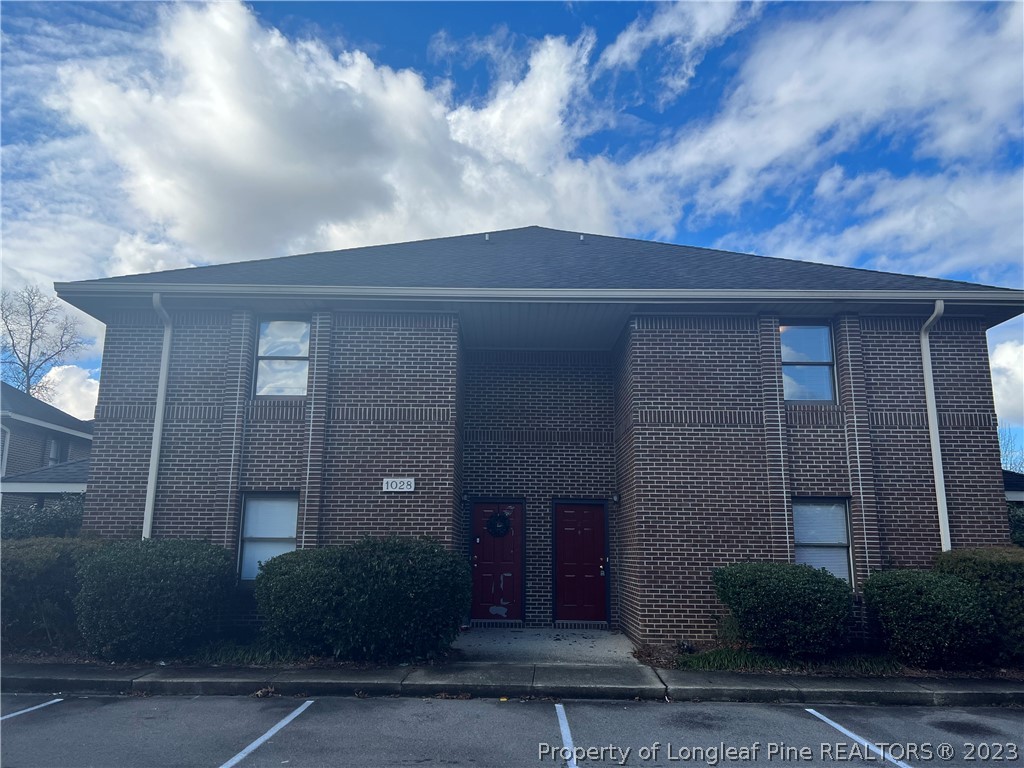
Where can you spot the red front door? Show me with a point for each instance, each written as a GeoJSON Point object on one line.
{"type": "Point", "coordinates": [497, 551]}
{"type": "Point", "coordinates": [581, 563]}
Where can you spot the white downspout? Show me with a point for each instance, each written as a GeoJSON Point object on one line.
{"type": "Point", "coordinates": [158, 420]}
{"type": "Point", "coordinates": [933, 426]}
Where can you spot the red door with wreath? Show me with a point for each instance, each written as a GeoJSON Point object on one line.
{"type": "Point", "coordinates": [497, 553]}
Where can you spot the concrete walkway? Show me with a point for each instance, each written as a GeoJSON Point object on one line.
{"type": "Point", "coordinates": [493, 663]}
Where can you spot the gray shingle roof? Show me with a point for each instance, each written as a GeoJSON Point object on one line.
{"type": "Point", "coordinates": [66, 473]}
{"type": "Point", "coordinates": [14, 400]}
{"type": "Point", "coordinates": [540, 258]}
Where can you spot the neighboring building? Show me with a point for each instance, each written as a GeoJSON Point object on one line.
{"type": "Point", "coordinates": [597, 422]}
{"type": "Point", "coordinates": [45, 451]}
{"type": "Point", "coordinates": [1013, 484]}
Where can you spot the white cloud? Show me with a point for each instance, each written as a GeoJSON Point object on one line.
{"type": "Point", "coordinates": [74, 390]}
{"type": "Point", "coordinates": [949, 224]}
{"type": "Point", "coordinates": [187, 134]}
{"type": "Point", "coordinates": [882, 72]}
{"type": "Point", "coordinates": [196, 134]}
{"type": "Point", "coordinates": [1007, 361]}
{"type": "Point", "coordinates": [683, 32]}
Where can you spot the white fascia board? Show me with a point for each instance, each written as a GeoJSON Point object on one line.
{"type": "Point", "coordinates": [13, 487]}
{"type": "Point", "coordinates": [1001, 295]}
{"type": "Point", "coordinates": [1015, 495]}
{"type": "Point", "coordinates": [45, 424]}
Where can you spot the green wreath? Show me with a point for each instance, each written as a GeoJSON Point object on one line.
{"type": "Point", "coordinates": [498, 525]}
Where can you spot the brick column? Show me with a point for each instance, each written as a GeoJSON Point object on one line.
{"type": "Point", "coordinates": [239, 368]}
{"type": "Point", "coordinates": [316, 427]}
{"type": "Point", "coordinates": [776, 459]}
{"type": "Point", "coordinates": [853, 399]}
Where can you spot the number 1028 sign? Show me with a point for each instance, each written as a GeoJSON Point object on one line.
{"type": "Point", "coordinates": [399, 484]}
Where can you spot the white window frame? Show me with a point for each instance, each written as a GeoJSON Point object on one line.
{"type": "Point", "coordinates": [829, 365]}
{"type": "Point", "coordinates": [846, 546]}
{"type": "Point", "coordinates": [244, 539]}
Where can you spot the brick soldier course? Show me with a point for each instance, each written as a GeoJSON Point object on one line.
{"type": "Point", "coordinates": [641, 382]}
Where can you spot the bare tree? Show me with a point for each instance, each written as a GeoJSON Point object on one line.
{"type": "Point", "coordinates": [1011, 449]}
{"type": "Point", "coordinates": [38, 334]}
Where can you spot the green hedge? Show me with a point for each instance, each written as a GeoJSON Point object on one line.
{"type": "Point", "coordinates": [60, 517]}
{"type": "Point", "coordinates": [300, 596]}
{"type": "Point", "coordinates": [37, 587]}
{"type": "Point", "coordinates": [393, 599]}
{"type": "Point", "coordinates": [998, 574]}
{"type": "Point", "coordinates": [151, 598]}
{"type": "Point", "coordinates": [929, 619]}
{"type": "Point", "coordinates": [794, 610]}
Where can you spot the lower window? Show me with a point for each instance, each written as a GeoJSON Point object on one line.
{"type": "Point", "coordinates": [268, 530]}
{"type": "Point", "coordinates": [822, 534]}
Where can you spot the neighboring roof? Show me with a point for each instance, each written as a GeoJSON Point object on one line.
{"type": "Point", "coordinates": [1013, 481]}
{"type": "Point", "coordinates": [536, 258]}
{"type": "Point", "coordinates": [17, 403]}
{"type": "Point", "coordinates": [67, 473]}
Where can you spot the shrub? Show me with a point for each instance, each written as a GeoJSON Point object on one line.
{"type": "Point", "coordinates": [300, 599]}
{"type": "Point", "coordinates": [60, 517]}
{"type": "Point", "coordinates": [929, 619]}
{"type": "Point", "coordinates": [150, 598]}
{"type": "Point", "coordinates": [391, 599]}
{"type": "Point", "coordinates": [998, 574]}
{"type": "Point", "coordinates": [790, 609]}
{"type": "Point", "coordinates": [406, 599]}
{"type": "Point", "coordinates": [37, 588]}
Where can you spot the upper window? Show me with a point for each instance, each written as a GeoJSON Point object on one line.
{"type": "Point", "coordinates": [268, 530]}
{"type": "Point", "coordinates": [807, 362]}
{"type": "Point", "coordinates": [282, 358]}
{"type": "Point", "coordinates": [822, 534]}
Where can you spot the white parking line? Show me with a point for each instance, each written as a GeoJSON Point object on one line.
{"type": "Point", "coordinates": [31, 709]}
{"type": "Point", "coordinates": [266, 736]}
{"type": "Point", "coordinates": [563, 723]}
{"type": "Point", "coordinates": [859, 740]}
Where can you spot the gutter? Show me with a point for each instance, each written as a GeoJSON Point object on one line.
{"type": "Point", "coordinates": [158, 420]}
{"type": "Point", "coordinates": [15, 487]}
{"type": "Point", "coordinates": [45, 424]}
{"type": "Point", "coordinates": [83, 289]}
{"type": "Point", "coordinates": [933, 425]}
{"type": "Point", "coordinates": [6, 448]}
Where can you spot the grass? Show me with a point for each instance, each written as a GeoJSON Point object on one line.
{"type": "Point", "coordinates": [745, 660]}
{"type": "Point", "coordinates": [256, 653]}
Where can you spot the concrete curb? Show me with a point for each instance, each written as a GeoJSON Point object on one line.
{"type": "Point", "coordinates": [483, 680]}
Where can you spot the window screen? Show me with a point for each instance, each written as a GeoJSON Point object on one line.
{"type": "Point", "coordinates": [268, 530]}
{"type": "Point", "coordinates": [822, 534]}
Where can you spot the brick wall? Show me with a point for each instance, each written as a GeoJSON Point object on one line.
{"type": "Point", "coordinates": [683, 419]}
{"type": "Point", "coordinates": [392, 413]}
{"type": "Point", "coordinates": [693, 461]}
{"type": "Point", "coordinates": [905, 494]}
{"type": "Point", "coordinates": [538, 427]}
{"type": "Point", "coordinates": [381, 402]}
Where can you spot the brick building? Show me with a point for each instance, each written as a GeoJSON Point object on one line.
{"type": "Point", "coordinates": [597, 422]}
{"type": "Point", "coordinates": [45, 452]}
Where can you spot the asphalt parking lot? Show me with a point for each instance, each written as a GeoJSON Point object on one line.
{"type": "Point", "coordinates": [40, 731]}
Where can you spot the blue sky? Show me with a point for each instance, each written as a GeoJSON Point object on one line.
{"type": "Point", "coordinates": [147, 136]}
